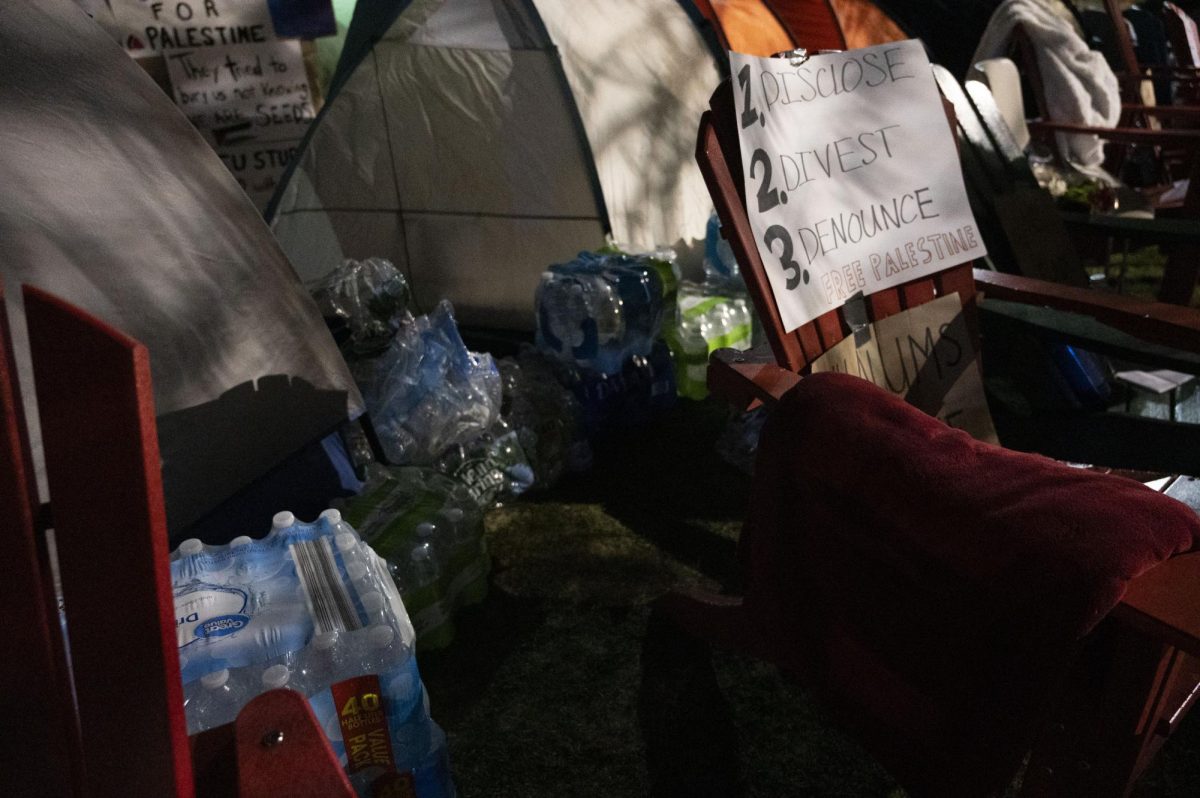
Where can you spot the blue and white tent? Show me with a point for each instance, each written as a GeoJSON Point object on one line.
{"type": "Point", "coordinates": [475, 142]}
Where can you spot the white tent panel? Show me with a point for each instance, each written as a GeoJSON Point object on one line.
{"type": "Point", "coordinates": [482, 132]}
{"type": "Point", "coordinates": [350, 159]}
{"type": "Point", "coordinates": [488, 291]}
{"type": "Point", "coordinates": [114, 202]}
{"type": "Point", "coordinates": [458, 23]}
{"type": "Point", "coordinates": [641, 75]}
{"type": "Point", "coordinates": [327, 237]}
{"type": "Point", "coordinates": [489, 170]}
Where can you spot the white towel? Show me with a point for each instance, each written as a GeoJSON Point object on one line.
{"type": "Point", "coordinates": [1080, 86]}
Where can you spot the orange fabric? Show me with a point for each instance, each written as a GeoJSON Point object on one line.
{"type": "Point", "coordinates": [863, 24]}
{"type": "Point", "coordinates": [811, 23]}
{"type": "Point", "coordinates": [746, 26]}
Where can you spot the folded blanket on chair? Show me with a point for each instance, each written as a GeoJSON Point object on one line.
{"type": "Point", "coordinates": [936, 586]}
{"type": "Point", "coordinates": [1079, 84]}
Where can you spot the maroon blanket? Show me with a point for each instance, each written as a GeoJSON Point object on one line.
{"type": "Point", "coordinates": [933, 587]}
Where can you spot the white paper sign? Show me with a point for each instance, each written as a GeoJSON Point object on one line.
{"type": "Point", "coordinates": [851, 173]}
{"type": "Point", "coordinates": [252, 103]}
{"type": "Point", "coordinates": [154, 26]}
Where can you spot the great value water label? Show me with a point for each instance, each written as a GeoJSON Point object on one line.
{"type": "Point", "coordinates": [205, 611]}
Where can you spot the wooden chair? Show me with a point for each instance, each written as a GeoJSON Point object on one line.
{"type": "Point", "coordinates": [1115, 716]}
{"type": "Point", "coordinates": [1026, 233]}
{"type": "Point", "coordinates": [1183, 35]}
{"type": "Point", "coordinates": [101, 713]}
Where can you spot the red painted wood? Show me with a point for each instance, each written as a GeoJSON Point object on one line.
{"type": "Point", "coordinates": [809, 340]}
{"type": "Point", "coordinates": [1145, 680]}
{"type": "Point", "coordinates": [724, 181]}
{"type": "Point", "coordinates": [1156, 322]}
{"type": "Point", "coordinates": [39, 751]}
{"type": "Point", "coordinates": [279, 743]}
{"type": "Point", "coordinates": [958, 280]}
{"type": "Point", "coordinates": [917, 292]}
{"type": "Point", "coordinates": [830, 328]}
{"type": "Point", "coordinates": [883, 303]}
{"type": "Point", "coordinates": [812, 24]}
{"type": "Point", "coordinates": [102, 461]}
{"type": "Point", "coordinates": [961, 281]}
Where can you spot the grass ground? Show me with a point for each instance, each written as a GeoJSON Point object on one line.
{"type": "Point", "coordinates": [1137, 272]}
{"type": "Point", "coordinates": [554, 687]}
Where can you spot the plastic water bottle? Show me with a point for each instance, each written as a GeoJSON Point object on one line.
{"type": "Point", "coordinates": [383, 649]}
{"type": "Point", "coordinates": [424, 568]}
{"type": "Point", "coordinates": [321, 664]}
{"type": "Point", "coordinates": [375, 605]}
{"type": "Point", "coordinates": [429, 532]}
{"type": "Point", "coordinates": [719, 263]}
{"type": "Point", "coordinates": [277, 676]}
{"type": "Point", "coordinates": [599, 309]}
{"type": "Point", "coordinates": [217, 702]}
{"type": "Point", "coordinates": [454, 521]}
{"type": "Point", "coordinates": [190, 547]}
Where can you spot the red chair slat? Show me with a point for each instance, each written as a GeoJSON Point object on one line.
{"type": "Point", "coordinates": [724, 181]}
{"type": "Point", "coordinates": [884, 303]}
{"type": "Point", "coordinates": [39, 754]}
{"type": "Point", "coordinates": [813, 25]}
{"type": "Point", "coordinates": [830, 328]}
{"type": "Point", "coordinates": [102, 462]}
{"type": "Point", "coordinates": [917, 292]}
{"type": "Point", "coordinates": [280, 743]}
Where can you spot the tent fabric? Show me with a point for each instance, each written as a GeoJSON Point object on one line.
{"type": "Point", "coordinates": [115, 203]}
{"type": "Point", "coordinates": [476, 142]}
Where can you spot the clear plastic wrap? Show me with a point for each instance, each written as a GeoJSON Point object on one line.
{"type": "Point", "coordinates": [312, 608]}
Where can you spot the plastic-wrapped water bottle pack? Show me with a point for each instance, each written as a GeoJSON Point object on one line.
{"type": "Point", "coordinates": [429, 530]}
{"type": "Point", "coordinates": [426, 392]}
{"type": "Point", "coordinates": [546, 416]}
{"type": "Point", "coordinates": [364, 303]}
{"type": "Point", "coordinates": [705, 321]}
{"type": "Point", "coordinates": [708, 316]}
{"type": "Point", "coordinates": [311, 608]}
{"type": "Point", "coordinates": [599, 310]}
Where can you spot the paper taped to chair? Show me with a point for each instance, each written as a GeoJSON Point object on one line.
{"type": "Point", "coordinates": [924, 355]}
{"type": "Point", "coordinates": [851, 174]}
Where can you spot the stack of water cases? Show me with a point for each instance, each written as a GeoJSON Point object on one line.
{"type": "Point", "coordinates": [601, 315]}
{"type": "Point", "coordinates": [310, 608]}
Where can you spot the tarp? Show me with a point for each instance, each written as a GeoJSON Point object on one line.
{"type": "Point", "coordinates": [114, 202]}
{"type": "Point", "coordinates": [476, 142]}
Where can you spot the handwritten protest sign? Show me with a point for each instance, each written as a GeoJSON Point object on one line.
{"type": "Point", "coordinates": [851, 174]}
{"type": "Point", "coordinates": [153, 26]}
{"type": "Point", "coordinates": [252, 103]}
{"type": "Point", "coordinates": [925, 356]}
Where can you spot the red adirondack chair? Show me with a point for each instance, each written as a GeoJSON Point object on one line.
{"type": "Point", "coordinates": [102, 712]}
{"type": "Point", "coordinates": [1137, 672]}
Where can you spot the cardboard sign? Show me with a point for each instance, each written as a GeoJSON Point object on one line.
{"type": "Point", "coordinates": [925, 356]}
{"type": "Point", "coordinates": [851, 174]}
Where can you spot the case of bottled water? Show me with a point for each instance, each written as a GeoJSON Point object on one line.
{"type": "Point", "coordinates": [312, 608]}
{"type": "Point", "coordinates": [599, 310]}
{"type": "Point", "coordinates": [428, 528]}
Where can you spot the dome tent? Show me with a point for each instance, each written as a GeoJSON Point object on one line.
{"type": "Point", "coordinates": [116, 204]}
{"type": "Point", "coordinates": [475, 142]}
